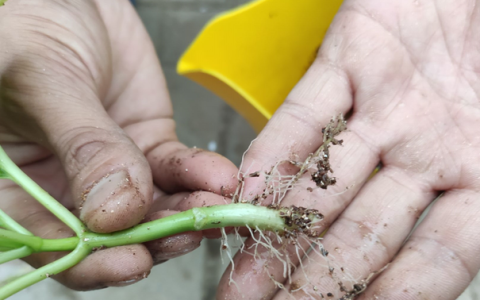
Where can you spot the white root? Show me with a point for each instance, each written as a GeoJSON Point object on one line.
{"type": "Point", "coordinates": [315, 167]}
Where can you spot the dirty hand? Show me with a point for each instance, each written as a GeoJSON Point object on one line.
{"type": "Point", "coordinates": [409, 73]}
{"type": "Point", "coordinates": [84, 110]}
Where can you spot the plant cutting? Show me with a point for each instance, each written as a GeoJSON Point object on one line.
{"type": "Point", "coordinates": [285, 225]}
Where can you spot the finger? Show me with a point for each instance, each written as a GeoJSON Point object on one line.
{"type": "Point", "coordinates": [143, 109]}
{"type": "Point", "coordinates": [323, 92]}
{"type": "Point", "coordinates": [173, 246]}
{"type": "Point", "coordinates": [118, 266]}
{"type": "Point", "coordinates": [105, 170]}
{"type": "Point", "coordinates": [138, 95]}
{"type": "Point", "coordinates": [108, 175]}
{"type": "Point", "coordinates": [352, 164]}
{"type": "Point", "coordinates": [440, 258]}
{"type": "Point", "coordinates": [177, 169]}
{"type": "Point", "coordinates": [367, 235]}
{"type": "Point", "coordinates": [111, 267]}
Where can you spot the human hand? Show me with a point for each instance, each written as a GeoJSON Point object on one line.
{"type": "Point", "coordinates": [409, 73]}
{"type": "Point", "coordinates": [86, 113]}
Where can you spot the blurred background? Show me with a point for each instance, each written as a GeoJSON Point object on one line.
{"type": "Point", "coordinates": [203, 120]}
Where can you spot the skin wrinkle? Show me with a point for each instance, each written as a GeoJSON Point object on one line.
{"type": "Point", "coordinates": [469, 29]}
{"type": "Point", "coordinates": [74, 51]}
{"type": "Point", "coordinates": [7, 186]}
{"type": "Point", "coordinates": [301, 113]}
{"type": "Point", "coordinates": [454, 121]}
{"type": "Point", "coordinates": [401, 43]}
{"type": "Point", "coordinates": [137, 122]}
{"type": "Point", "coordinates": [400, 146]}
{"type": "Point", "coordinates": [82, 20]}
{"type": "Point", "coordinates": [423, 186]}
{"type": "Point", "coordinates": [376, 22]}
{"type": "Point", "coordinates": [161, 143]}
{"type": "Point", "coordinates": [80, 17]}
{"type": "Point", "coordinates": [452, 156]}
{"type": "Point", "coordinates": [475, 183]}
{"type": "Point", "coordinates": [109, 104]}
{"type": "Point", "coordinates": [98, 146]}
{"type": "Point", "coordinates": [32, 152]}
{"type": "Point", "coordinates": [131, 120]}
{"type": "Point", "coordinates": [34, 110]}
{"type": "Point", "coordinates": [376, 150]}
{"type": "Point", "coordinates": [34, 216]}
{"type": "Point", "coordinates": [433, 88]}
{"type": "Point", "coordinates": [340, 75]}
{"type": "Point", "coordinates": [400, 91]}
{"type": "Point", "coordinates": [66, 63]}
{"type": "Point", "coordinates": [442, 29]}
{"type": "Point", "coordinates": [369, 231]}
{"type": "Point", "coordinates": [70, 138]}
{"type": "Point", "coordinates": [443, 246]}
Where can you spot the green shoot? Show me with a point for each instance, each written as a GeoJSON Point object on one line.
{"type": "Point", "coordinates": [286, 224]}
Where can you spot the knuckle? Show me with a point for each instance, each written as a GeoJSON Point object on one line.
{"type": "Point", "coordinates": [87, 146]}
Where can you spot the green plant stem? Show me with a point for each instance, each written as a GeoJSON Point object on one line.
{"type": "Point", "coordinates": [51, 269]}
{"type": "Point", "coordinates": [2, 2]}
{"type": "Point", "coordinates": [195, 219]}
{"type": "Point", "coordinates": [230, 215]}
{"type": "Point", "coordinates": [36, 244]}
{"type": "Point", "coordinates": [15, 254]}
{"type": "Point", "coordinates": [20, 178]}
{"type": "Point", "coordinates": [10, 224]}
{"type": "Point", "coordinates": [8, 237]}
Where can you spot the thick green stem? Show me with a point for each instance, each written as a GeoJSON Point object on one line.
{"type": "Point", "coordinates": [230, 215]}
{"type": "Point", "coordinates": [20, 178]}
{"type": "Point", "coordinates": [19, 242]}
{"type": "Point", "coordinates": [196, 219]}
{"type": "Point", "coordinates": [8, 237]}
{"type": "Point", "coordinates": [51, 269]}
{"type": "Point", "coordinates": [16, 240]}
{"type": "Point", "coordinates": [15, 254]}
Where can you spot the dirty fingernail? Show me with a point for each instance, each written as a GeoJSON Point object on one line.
{"type": "Point", "coordinates": [129, 281]}
{"type": "Point", "coordinates": [174, 246]}
{"type": "Point", "coordinates": [113, 203]}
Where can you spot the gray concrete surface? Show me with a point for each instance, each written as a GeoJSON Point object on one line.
{"type": "Point", "coordinates": [204, 121]}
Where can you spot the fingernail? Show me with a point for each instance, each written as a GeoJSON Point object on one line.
{"type": "Point", "coordinates": [107, 203]}
{"type": "Point", "coordinates": [129, 281]}
{"type": "Point", "coordinates": [171, 247]}
{"type": "Point", "coordinates": [158, 262]}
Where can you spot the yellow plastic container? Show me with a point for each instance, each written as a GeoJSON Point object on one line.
{"type": "Point", "coordinates": [254, 55]}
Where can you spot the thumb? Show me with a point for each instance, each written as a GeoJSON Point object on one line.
{"type": "Point", "coordinates": [109, 178]}
{"type": "Point", "coordinates": [52, 82]}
